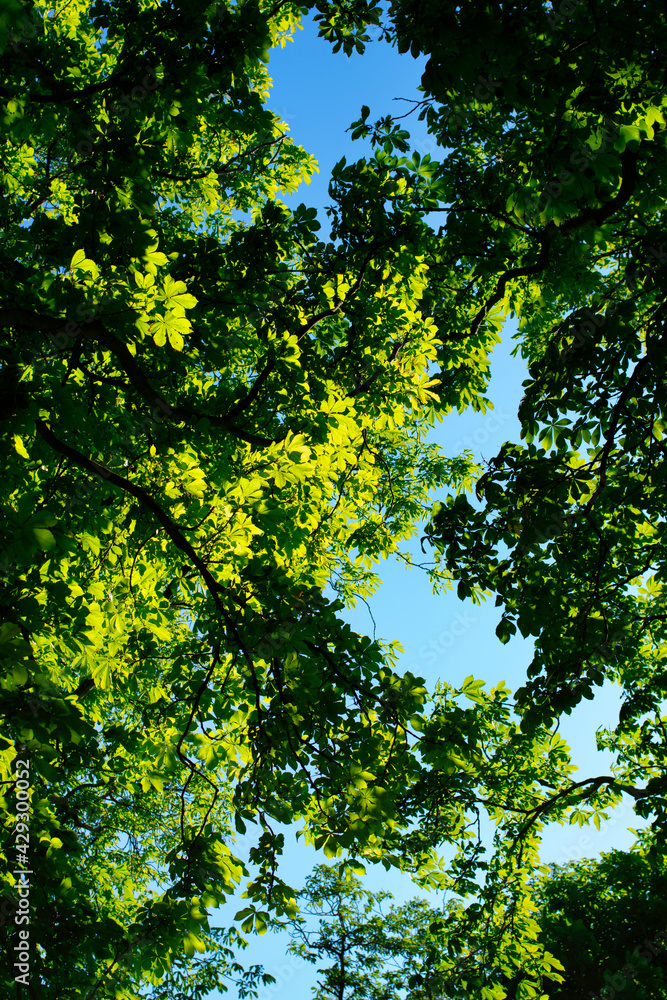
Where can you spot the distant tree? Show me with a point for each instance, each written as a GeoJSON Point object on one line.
{"type": "Point", "coordinates": [376, 951]}
{"type": "Point", "coordinates": [602, 922]}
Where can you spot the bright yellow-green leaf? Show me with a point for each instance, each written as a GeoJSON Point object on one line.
{"type": "Point", "coordinates": [20, 447]}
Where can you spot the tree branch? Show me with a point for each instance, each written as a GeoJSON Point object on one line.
{"type": "Point", "coordinates": [139, 494]}
{"type": "Point", "coordinates": [96, 331]}
{"type": "Point", "coordinates": [596, 216]}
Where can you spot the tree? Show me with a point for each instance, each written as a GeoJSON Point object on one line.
{"type": "Point", "coordinates": [602, 924]}
{"type": "Point", "coordinates": [552, 176]}
{"type": "Point", "coordinates": [206, 420]}
{"type": "Point", "coordinates": [605, 921]}
{"type": "Point", "coordinates": [475, 764]}
{"type": "Point", "coordinates": [375, 955]}
{"type": "Point", "coordinates": [562, 176]}
{"type": "Point", "coordinates": [552, 179]}
{"type": "Point", "coordinates": [210, 415]}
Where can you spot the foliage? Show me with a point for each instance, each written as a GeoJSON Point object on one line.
{"type": "Point", "coordinates": [558, 170]}
{"type": "Point", "coordinates": [411, 950]}
{"type": "Point", "coordinates": [606, 920]}
{"type": "Point", "coordinates": [562, 167]}
{"type": "Point", "coordinates": [375, 955]}
{"type": "Point", "coordinates": [476, 766]}
{"type": "Point", "coordinates": [602, 924]}
{"type": "Point", "coordinates": [552, 126]}
{"type": "Point", "coordinates": [211, 416]}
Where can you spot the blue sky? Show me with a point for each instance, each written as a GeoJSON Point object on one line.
{"type": "Point", "coordinates": [318, 94]}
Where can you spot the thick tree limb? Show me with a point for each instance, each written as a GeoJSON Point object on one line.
{"type": "Point", "coordinates": [96, 331]}
{"type": "Point", "coordinates": [144, 498]}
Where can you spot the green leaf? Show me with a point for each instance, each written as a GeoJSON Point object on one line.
{"type": "Point", "coordinates": [19, 447]}
{"type": "Point", "coordinates": [44, 538]}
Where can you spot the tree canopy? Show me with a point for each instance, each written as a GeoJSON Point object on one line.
{"type": "Point", "coordinates": [210, 416]}
{"type": "Point", "coordinates": [603, 923]}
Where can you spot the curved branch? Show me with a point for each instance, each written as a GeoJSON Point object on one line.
{"type": "Point", "coordinates": [513, 272]}
{"type": "Point", "coordinates": [595, 783]}
{"type": "Point", "coordinates": [139, 494]}
{"type": "Point", "coordinates": [595, 216]}
{"type": "Point", "coordinates": [96, 331]}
